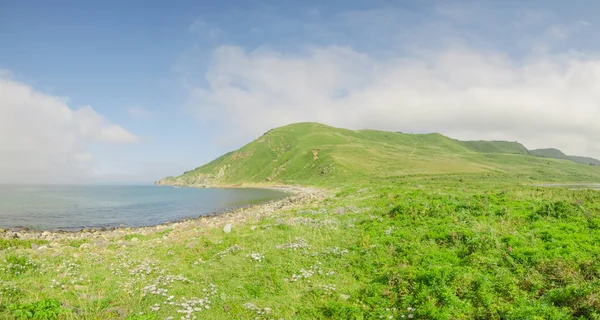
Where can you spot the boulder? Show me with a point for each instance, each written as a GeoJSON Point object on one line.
{"type": "Point", "coordinates": [101, 244]}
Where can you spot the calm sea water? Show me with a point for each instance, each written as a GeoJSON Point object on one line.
{"type": "Point", "coordinates": [79, 207]}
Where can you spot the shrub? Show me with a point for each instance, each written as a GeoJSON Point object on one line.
{"type": "Point", "coordinates": [44, 309]}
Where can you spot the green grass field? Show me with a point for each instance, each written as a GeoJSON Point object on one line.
{"type": "Point", "coordinates": [315, 154]}
{"type": "Point", "coordinates": [412, 227]}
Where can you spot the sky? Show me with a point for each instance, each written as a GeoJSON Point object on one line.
{"type": "Point", "coordinates": [132, 91]}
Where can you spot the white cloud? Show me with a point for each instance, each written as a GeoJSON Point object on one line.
{"type": "Point", "coordinates": [84, 157]}
{"type": "Point", "coordinates": [43, 140]}
{"type": "Point", "coordinates": [96, 127]}
{"type": "Point", "coordinates": [543, 101]}
{"type": "Point", "coordinates": [5, 74]}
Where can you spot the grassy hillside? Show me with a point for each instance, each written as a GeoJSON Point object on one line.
{"type": "Point", "coordinates": [312, 153]}
{"type": "Point", "coordinates": [549, 153]}
{"type": "Point", "coordinates": [557, 154]}
{"type": "Point", "coordinates": [585, 160]}
{"type": "Point", "coordinates": [497, 147]}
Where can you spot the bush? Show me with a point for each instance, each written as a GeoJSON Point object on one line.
{"type": "Point", "coordinates": [557, 209]}
{"type": "Point", "coordinates": [44, 309]}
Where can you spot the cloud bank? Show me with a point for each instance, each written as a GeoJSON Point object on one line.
{"type": "Point", "coordinates": [42, 140]}
{"type": "Point", "coordinates": [542, 101]}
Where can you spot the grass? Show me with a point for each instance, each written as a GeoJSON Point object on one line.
{"type": "Point", "coordinates": [497, 147]}
{"type": "Point", "coordinates": [11, 243]}
{"type": "Point", "coordinates": [435, 247]}
{"type": "Point", "coordinates": [549, 153]}
{"type": "Point", "coordinates": [315, 154]}
{"type": "Point", "coordinates": [413, 227]}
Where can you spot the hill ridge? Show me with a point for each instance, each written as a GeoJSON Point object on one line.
{"type": "Point", "coordinates": [314, 153]}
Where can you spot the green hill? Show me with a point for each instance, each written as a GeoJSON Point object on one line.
{"type": "Point", "coordinates": [557, 154]}
{"type": "Point", "coordinates": [497, 147]}
{"type": "Point", "coordinates": [312, 153]}
{"type": "Point", "coordinates": [549, 153]}
{"type": "Point", "coordinates": [585, 160]}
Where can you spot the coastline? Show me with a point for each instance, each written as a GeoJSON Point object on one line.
{"type": "Point", "coordinates": [299, 195]}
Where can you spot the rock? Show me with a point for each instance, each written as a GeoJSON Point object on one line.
{"type": "Point", "coordinates": [253, 228]}
{"type": "Point", "coordinates": [227, 228]}
{"type": "Point", "coordinates": [134, 239]}
{"type": "Point", "coordinates": [101, 244]}
{"type": "Point", "coordinates": [42, 248]}
{"type": "Point", "coordinates": [2, 230]}
{"type": "Point", "coordinates": [121, 312]}
{"type": "Point", "coordinates": [84, 246]}
{"type": "Point", "coordinates": [34, 246]}
{"type": "Point", "coordinates": [124, 243]}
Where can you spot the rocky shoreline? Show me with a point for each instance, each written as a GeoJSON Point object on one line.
{"type": "Point", "coordinates": [101, 236]}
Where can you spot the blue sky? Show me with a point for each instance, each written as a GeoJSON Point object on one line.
{"type": "Point", "coordinates": [130, 91]}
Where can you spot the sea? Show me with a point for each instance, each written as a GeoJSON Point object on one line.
{"type": "Point", "coordinates": [72, 208]}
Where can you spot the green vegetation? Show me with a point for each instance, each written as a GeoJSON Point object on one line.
{"type": "Point", "coordinates": [497, 147]}
{"type": "Point", "coordinates": [585, 160]}
{"type": "Point", "coordinates": [9, 243]}
{"type": "Point", "coordinates": [549, 153]}
{"type": "Point", "coordinates": [312, 153]}
{"type": "Point", "coordinates": [438, 231]}
{"type": "Point", "coordinates": [77, 243]}
{"type": "Point", "coordinates": [557, 154]}
{"type": "Point", "coordinates": [47, 309]}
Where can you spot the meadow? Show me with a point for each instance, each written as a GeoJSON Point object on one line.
{"type": "Point", "coordinates": [470, 246]}
{"type": "Point", "coordinates": [406, 226]}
